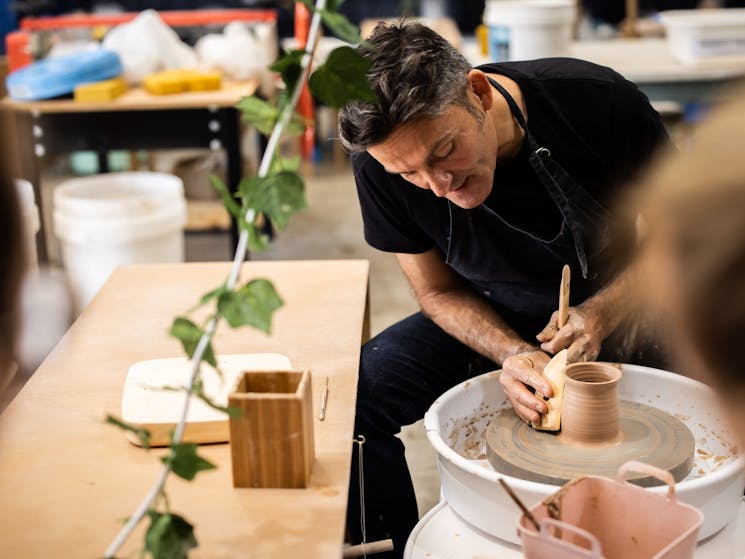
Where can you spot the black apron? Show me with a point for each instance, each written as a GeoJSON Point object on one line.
{"type": "Point", "coordinates": [518, 270]}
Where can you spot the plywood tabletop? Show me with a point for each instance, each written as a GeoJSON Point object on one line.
{"type": "Point", "coordinates": [139, 99]}
{"type": "Point", "coordinates": [67, 479]}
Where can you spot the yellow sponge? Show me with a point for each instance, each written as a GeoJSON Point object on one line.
{"type": "Point", "coordinates": [201, 81]}
{"type": "Point", "coordinates": [176, 81]}
{"type": "Point", "coordinates": [163, 83]}
{"type": "Point", "coordinates": [100, 92]}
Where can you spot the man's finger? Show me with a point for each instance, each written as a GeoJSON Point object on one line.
{"type": "Point", "coordinates": [526, 414]}
{"type": "Point", "coordinates": [550, 330]}
{"type": "Point", "coordinates": [528, 375]}
{"type": "Point", "coordinates": [562, 340]}
{"type": "Point", "coordinates": [525, 398]}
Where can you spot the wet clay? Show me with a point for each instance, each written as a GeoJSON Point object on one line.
{"type": "Point", "coordinates": [598, 434]}
{"type": "Point", "coordinates": [590, 412]}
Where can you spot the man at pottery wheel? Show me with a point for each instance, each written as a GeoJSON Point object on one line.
{"type": "Point", "coordinates": [484, 182]}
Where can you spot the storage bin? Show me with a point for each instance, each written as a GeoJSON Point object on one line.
{"type": "Point", "coordinates": [701, 37]}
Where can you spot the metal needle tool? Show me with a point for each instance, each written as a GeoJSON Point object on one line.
{"type": "Point", "coordinates": [566, 275]}
{"type": "Point", "coordinates": [324, 399]}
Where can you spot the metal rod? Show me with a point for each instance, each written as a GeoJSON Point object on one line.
{"type": "Point", "coordinates": [324, 400]}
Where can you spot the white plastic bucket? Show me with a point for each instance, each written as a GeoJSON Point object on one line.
{"type": "Point", "coordinates": [529, 29]}
{"type": "Point", "coordinates": [30, 219]}
{"type": "Point", "coordinates": [105, 221]}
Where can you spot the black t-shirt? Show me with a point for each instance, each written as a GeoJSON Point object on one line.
{"type": "Point", "coordinates": [598, 126]}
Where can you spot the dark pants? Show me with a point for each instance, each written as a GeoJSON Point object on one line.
{"type": "Point", "coordinates": [402, 371]}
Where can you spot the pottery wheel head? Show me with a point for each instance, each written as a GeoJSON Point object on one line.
{"type": "Point", "coordinates": [647, 434]}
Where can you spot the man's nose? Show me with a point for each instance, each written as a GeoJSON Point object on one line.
{"type": "Point", "coordinates": [439, 182]}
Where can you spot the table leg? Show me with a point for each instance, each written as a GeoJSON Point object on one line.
{"type": "Point", "coordinates": [232, 143]}
{"type": "Point", "coordinates": [31, 150]}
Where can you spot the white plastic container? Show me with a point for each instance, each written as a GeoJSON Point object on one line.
{"type": "Point", "coordinates": [105, 221]}
{"type": "Point", "coordinates": [700, 37]}
{"type": "Point", "coordinates": [529, 29]}
{"type": "Point", "coordinates": [30, 219]}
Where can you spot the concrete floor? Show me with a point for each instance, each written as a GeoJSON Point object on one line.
{"type": "Point", "coordinates": [330, 228]}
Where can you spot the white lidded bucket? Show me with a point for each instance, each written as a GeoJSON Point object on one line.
{"type": "Point", "coordinates": [529, 29]}
{"type": "Point", "coordinates": [30, 220]}
{"type": "Point", "coordinates": [105, 221]}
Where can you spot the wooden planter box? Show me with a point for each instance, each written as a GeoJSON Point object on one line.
{"type": "Point", "coordinates": [271, 442]}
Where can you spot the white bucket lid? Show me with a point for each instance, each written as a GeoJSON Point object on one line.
{"type": "Point", "coordinates": [124, 229]}
{"type": "Point", "coordinates": [536, 12]}
{"type": "Point", "coordinates": [27, 201]}
{"type": "Point", "coordinates": [117, 194]}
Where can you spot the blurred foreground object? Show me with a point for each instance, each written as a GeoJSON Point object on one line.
{"type": "Point", "coordinates": [694, 204]}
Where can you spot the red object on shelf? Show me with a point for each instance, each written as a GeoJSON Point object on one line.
{"type": "Point", "coordinates": [305, 103]}
{"type": "Point", "coordinates": [176, 18]}
{"type": "Point", "coordinates": [18, 50]}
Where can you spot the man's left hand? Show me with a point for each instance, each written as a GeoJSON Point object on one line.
{"type": "Point", "coordinates": [581, 335]}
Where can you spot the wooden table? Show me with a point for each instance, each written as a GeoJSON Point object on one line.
{"type": "Point", "coordinates": [135, 120]}
{"type": "Point", "coordinates": [67, 479]}
{"type": "Point", "coordinates": [649, 63]}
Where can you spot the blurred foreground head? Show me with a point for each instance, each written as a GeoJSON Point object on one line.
{"type": "Point", "coordinates": [694, 206]}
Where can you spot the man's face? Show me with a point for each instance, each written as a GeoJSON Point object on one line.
{"type": "Point", "coordinates": [453, 155]}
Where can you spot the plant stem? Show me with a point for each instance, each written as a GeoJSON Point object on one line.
{"type": "Point", "coordinates": [240, 254]}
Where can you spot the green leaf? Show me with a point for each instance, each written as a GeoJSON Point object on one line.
{"type": "Point", "coordinates": [185, 462]}
{"type": "Point", "coordinates": [342, 78]}
{"type": "Point", "coordinates": [169, 536]}
{"type": "Point", "coordinates": [277, 196]}
{"type": "Point", "coordinates": [251, 305]}
{"type": "Point", "coordinates": [207, 297]}
{"type": "Point", "coordinates": [257, 241]}
{"type": "Point", "coordinates": [142, 434]}
{"type": "Point", "coordinates": [231, 412]}
{"type": "Point", "coordinates": [259, 113]}
{"type": "Point", "coordinates": [228, 198]}
{"type": "Point", "coordinates": [289, 67]}
{"type": "Point", "coordinates": [190, 334]}
{"type": "Point", "coordinates": [341, 26]}
{"type": "Point", "coordinates": [280, 164]}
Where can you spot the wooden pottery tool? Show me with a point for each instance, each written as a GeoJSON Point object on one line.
{"type": "Point", "coordinates": [271, 441]}
{"type": "Point", "coordinates": [519, 503]}
{"type": "Point", "coordinates": [566, 275]}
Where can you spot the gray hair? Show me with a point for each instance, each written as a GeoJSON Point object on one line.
{"type": "Point", "coordinates": [415, 73]}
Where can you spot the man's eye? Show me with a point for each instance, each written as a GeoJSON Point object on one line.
{"type": "Point", "coordinates": [446, 151]}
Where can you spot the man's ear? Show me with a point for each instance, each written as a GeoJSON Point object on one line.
{"type": "Point", "coordinates": [481, 87]}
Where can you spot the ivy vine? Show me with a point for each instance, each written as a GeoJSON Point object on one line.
{"type": "Point", "coordinates": [275, 194]}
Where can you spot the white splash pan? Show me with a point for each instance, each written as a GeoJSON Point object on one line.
{"type": "Point", "coordinates": [456, 423]}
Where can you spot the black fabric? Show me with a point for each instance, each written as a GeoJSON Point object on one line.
{"type": "Point", "coordinates": [599, 128]}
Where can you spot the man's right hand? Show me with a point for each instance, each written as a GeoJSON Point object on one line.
{"type": "Point", "coordinates": [523, 370]}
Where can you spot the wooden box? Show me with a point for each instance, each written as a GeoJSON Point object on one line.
{"type": "Point", "coordinates": [271, 442]}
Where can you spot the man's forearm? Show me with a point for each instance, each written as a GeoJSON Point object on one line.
{"type": "Point", "coordinates": [612, 304]}
{"type": "Point", "coordinates": [472, 321]}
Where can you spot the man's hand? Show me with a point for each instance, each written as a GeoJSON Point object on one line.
{"type": "Point", "coordinates": [519, 372]}
{"type": "Point", "coordinates": [582, 334]}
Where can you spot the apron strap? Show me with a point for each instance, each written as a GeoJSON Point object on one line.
{"type": "Point", "coordinates": [517, 114]}
{"type": "Point", "coordinates": [551, 175]}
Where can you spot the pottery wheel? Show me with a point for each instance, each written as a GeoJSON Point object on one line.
{"type": "Point", "coordinates": [649, 435]}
